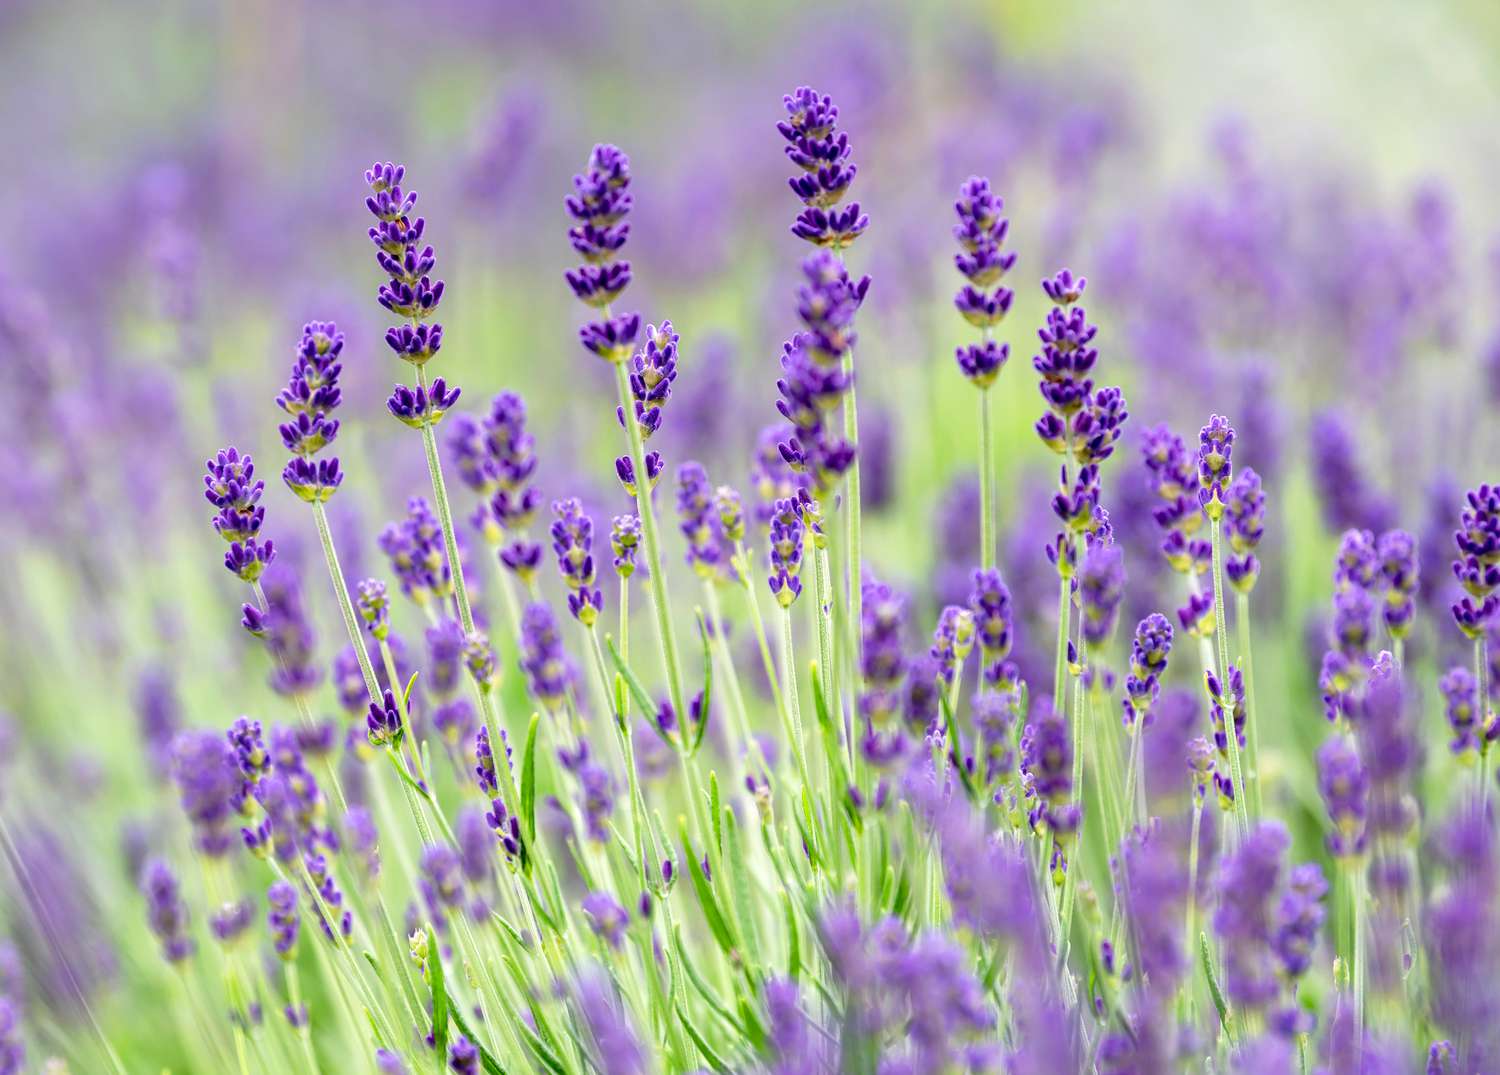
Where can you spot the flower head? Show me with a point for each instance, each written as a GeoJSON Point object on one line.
{"type": "Point", "coordinates": [821, 151]}
{"type": "Point", "coordinates": [599, 203]}
{"type": "Point", "coordinates": [410, 292]}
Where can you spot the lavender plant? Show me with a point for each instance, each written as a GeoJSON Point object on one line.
{"type": "Point", "coordinates": [808, 834]}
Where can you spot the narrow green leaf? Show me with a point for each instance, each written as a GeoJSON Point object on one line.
{"type": "Point", "coordinates": [708, 684]}
{"type": "Point", "coordinates": [637, 691]}
{"type": "Point", "coordinates": [793, 939]}
{"type": "Point", "coordinates": [714, 1060]}
{"type": "Point", "coordinates": [486, 1061]}
{"type": "Point", "coordinates": [706, 900]}
{"type": "Point", "coordinates": [528, 780]}
{"type": "Point", "coordinates": [709, 994]}
{"type": "Point", "coordinates": [439, 991]}
{"type": "Point", "coordinates": [716, 809]}
{"type": "Point", "coordinates": [406, 694]}
{"type": "Point", "coordinates": [1205, 957]}
{"type": "Point", "coordinates": [953, 756]}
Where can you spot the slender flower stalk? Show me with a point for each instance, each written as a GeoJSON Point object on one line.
{"type": "Point", "coordinates": [983, 302]}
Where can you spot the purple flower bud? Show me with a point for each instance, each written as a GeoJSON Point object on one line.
{"type": "Point", "coordinates": [607, 918]}
{"type": "Point", "coordinates": [1148, 663]}
{"type": "Point", "coordinates": [548, 672]}
{"type": "Point", "coordinates": [463, 1056]}
{"type": "Point", "coordinates": [374, 608]}
{"type": "Point", "coordinates": [652, 372]}
{"type": "Point", "coordinates": [384, 722]}
{"type": "Point", "coordinates": [1101, 589]}
{"type": "Point", "coordinates": [573, 542]}
{"type": "Point", "coordinates": [312, 480]}
{"type": "Point", "coordinates": [165, 912]}
{"type": "Point", "coordinates": [786, 552]}
{"type": "Point", "coordinates": [283, 919]}
{"type": "Point", "coordinates": [625, 543]}
{"type": "Point", "coordinates": [1215, 449]}
{"type": "Point", "coordinates": [418, 407]}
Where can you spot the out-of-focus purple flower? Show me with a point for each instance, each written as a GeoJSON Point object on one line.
{"type": "Point", "coordinates": [1101, 588]}
{"type": "Point", "coordinates": [821, 151]}
{"type": "Point", "coordinates": [1244, 526]}
{"type": "Point", "coordinates": [389, 1063]}
{"type": "Point", "coordinates": [1347, 498]}
{"type": "Point", "coordinates": [12, 1047]}
{"type": "Point", "coordinates": [994, 619]}
{"type": "Point", "coordinates": [548, 671]}
{"type": "Point", "coordinates": [363, 844]}
{"type": "Point", "coordinates": [411, 294]}
{"type": "Point", "coordinates": [289, 635]}
{"type": "Point", "coordinates": [607, 918]}
{"type": "Point", "coordinates": [441, 882]}
{"type": "Point", "coordinates": [1215, 467]}
{"type": "Point", "coordinates": [463, 1056]}
{"type": "Point", "coordinates": [1248, 886]}
{"type": "Point", "coordinates": [709, 549]}
{"type": "Point", "coordinates": [771, 477]}
{"type": "Point", "coordinates": [595, 788]}
{"type": "Point", "coordinates": [1461, 698]}
{"type": "Point", "coordinates": [166, 914]}
{"type": "Point", "coordinates": [1399, 567]}
{"type": "Point", "coordinates": [1173, 476]}
{"type": "Point", "coordinates": [208, 782]}
{"type": "Point", "coordinates": [160, 717]}
{"type": "Point", "coordinates": [599, 203]}
{"type": "Point", "coordinates": [415, 548]}
{"type": "Point", "coordinates": [1345, 787]}
{"type": "Point", "coordinates": [1462, 935]}
{"type": "Point", "coordinates": [374, 608]}
{"type": "Point", "coordinates": [625, 543]}
{"type": "Point", "coordinates": [952, 641]}
{"type": "Point", "coordinates": [617, 1049]}
{"type": "Point", "coordinates": [283, 920]}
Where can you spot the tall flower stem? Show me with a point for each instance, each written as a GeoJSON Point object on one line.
{"type": "Point", "coordinates": [822, 594]}
{"type": "Point", "coordinates": [346, 606]}
{"type": "Point", "coordinates": [445, 518]}
{"type": "Point", "coordinates": [1356, 885]}
{"type": "Point", "coordinates": [1252, 765]}
{"type": "Point", "coordinates": [1064, 613]}
{"type": "Point", "coordinates": [1191, 918]}
{"type": "Point", "coordinates": [1481, 679]}
{"type": "Point", "coordinates": [986, 483]}
{"type": "Point", "coordinates": [627, 751]}
{"type": "Point", "coordinates": [1221, 630]}
{"type": "Point", "coordinates": [854, 534]}
{"type": "Point", "coordinates": [793, 706]}
{"type": "Point", "coordinates": [294, 993]}
{"type": "Point", "coordinates": [666, 636]}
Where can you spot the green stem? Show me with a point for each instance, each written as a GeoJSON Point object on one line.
{"type": "Point", "coordinates": [1252, 774]}
{"type": "Point", "coordinates": [823, 619]}
{"type": "Point", "coordinates": [1192, 903]}
{"type": "Point", "coordinates": [1481, 678]}
{"type": "Point", "coordinates": [793, 705]}
{"type": "Point", "coordinates": [1357, 964]}
{"type": "Point", "coordinates": [1221, 630]}
{"type": "Point", "coordinates": [445, 518]}
{"type": "Point", "coordinates": [854, 539]}
{"type": "Point", "coordinates": [1064, 612]}
{"type": "Point", "coordinates": [986, 483]}
{"type": "Point", "coordinates": [346, 606]}
{"type": "Point", "coordinates": [627, 755]}
{"type": "Point", "coordinates": [294, 992]}
{"type": "Point", "coordinates": [666, 636]}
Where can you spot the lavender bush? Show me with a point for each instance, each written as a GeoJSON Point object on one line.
{"type": "Point", "coordinates": [641, 708]}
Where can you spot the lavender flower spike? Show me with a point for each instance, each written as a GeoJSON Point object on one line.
{"type": "Point", "coordinates": [984, 300]}
{"type": "Point", "coordinates": [165, 911]}
{"type": "Point", "coordinates": [598, 205]}
{"type": "Point", "coordinates": [410, 292]}
{"type": "Point", "coordinates": [817, 147]}
{"type": "Point", "coordinates": [232, 488]}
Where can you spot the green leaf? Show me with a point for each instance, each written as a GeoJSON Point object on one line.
{"type": "Point", "coordinates": [486, 1061]}
{"type": "Point", "coordinates": [637, 691]}
{"type": "Point", "coordinates": [714, 1060]}
{"type": "Point", "coordinates": [406, 694]}
{"type": "Point", "coordinates": [716, 809]}
{"type": "Point", "coordinates": [707, 992]}
{"type": "Point", "coordinates": [439, 991]}
{"type": "Point", "coordinates": [528, 780]}
{"type": "Point", "coordinates": [1205, 957]}
{"type": "Point", "coordinates": [963, 772]}
{"type": "Point", "coordinates": [706, 900]}
{"type": "Point", "coordinates": [708, 684]}
{"type": "Point", "coordinates": [793, 939]}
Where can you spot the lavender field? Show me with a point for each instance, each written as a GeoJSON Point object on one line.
{"type": "Point", "coordinates": [788, 539]}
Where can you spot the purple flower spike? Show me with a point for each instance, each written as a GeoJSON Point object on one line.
{"type": "Point", "coordinates": [708, 546]}
{"type": "Point", "coordinates": [1477, 568]}
{"type": "Point", "coordinates": [786, 552]}
{"type": "Point", "coordinates": [599, 203]}
{"type": "Point", "coordinates": [1461, 700]}
{"type": "Point", "coordinates": [463, 1056]}
{"type": "Point", "coordinates": [1101, 588]}
{"type": "Point", "coordinates": [165, 912]}
{"type": "Point", "coordinates": [607, 918]}
{"type": "Point", "coordinates": [821, 151]}
{"type": "Point", "coordinates": [1215, 449]}
{"type": "Point", "coordinates": [652, 372]}
{"type": "Point", "coordinates": [1244, 526]}
{"type": "Point", "coordinates": [573, 542]}
{"type": "Point", "coordinates": [231, 487]}
{"type": "Point", "coordinates": [415, 549]}
{"type": "Point", "coordinates": [283, 919]}
{"type": "Point", "coordinates": [1148, 662]}
{"type": "Point", "coordinates": [625, 543]}
{"type": "Point", "coordinates": [1399, 570]}
{"type": "Point", "coordinates": [1345, 787]}
{"type": "Point", "coordinates": [994, 619]}
{"type": "Point", "coordinates": [547, 669]}
{"type": "Point", "coordinates": [410, 292]}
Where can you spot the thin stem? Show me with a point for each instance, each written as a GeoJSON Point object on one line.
{"type": "Point", "coordinates": [854, 539]}
{"type": "Point", "coordinates": [1192, 903]}
{"type": "Point", "coordinates": [346, 606]}
{"type": "Point", "coordinates": [1242, 625]}
{"type": "Point", "coordinates": [1064, 612]}
{"type": "Point", "coordinates": [445, 518]}
{"type": "Point", "coordinates": [1357, 966]}
{"type": "Point", "coordinates": [986, 483]}
{"type": "Point", "coordinates": [1481, 678]}
{"type": "Point", "coordinates": [658, 579]}
{"type": "Point", "coordinates": [1221, 629]}
{"type": "Point", "coordinates": [793, 705]}
{"type": "Point", "coordinates": [294, 992]}
{"type": "Point", "coordinates": [823, 618]}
